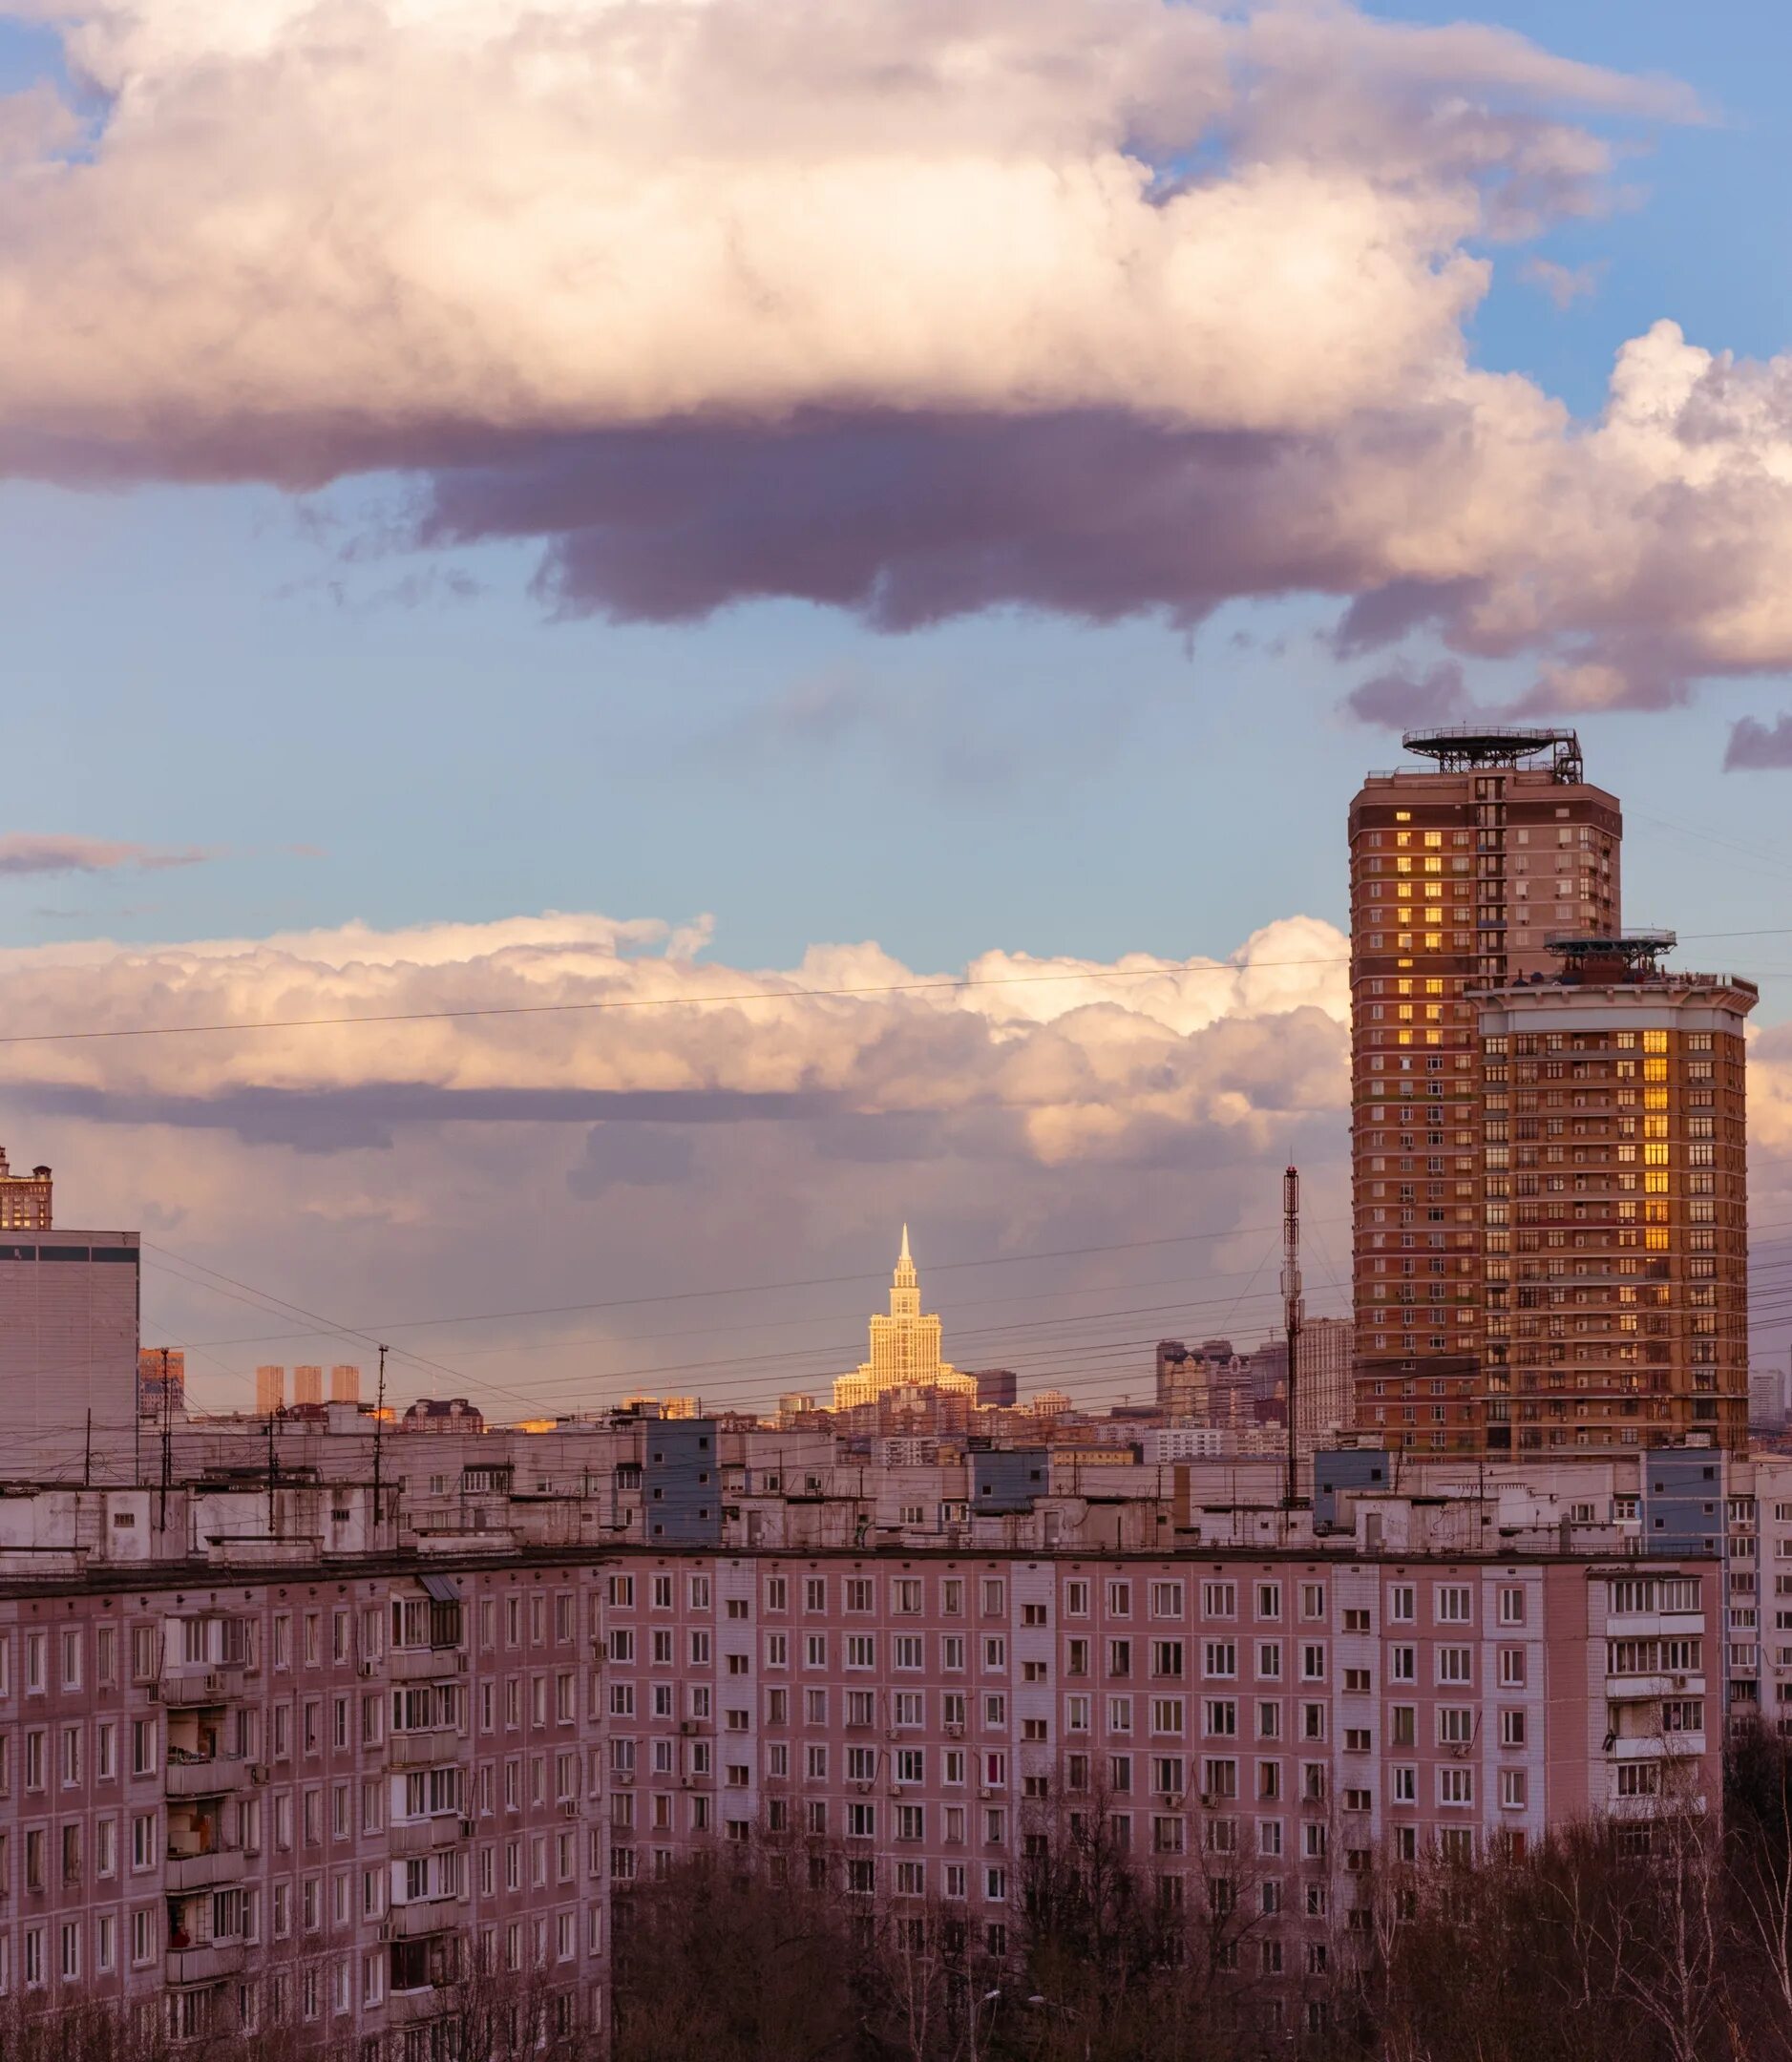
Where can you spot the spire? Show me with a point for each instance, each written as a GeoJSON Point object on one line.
{"type": "Point", "coordinates": [905, 1298]}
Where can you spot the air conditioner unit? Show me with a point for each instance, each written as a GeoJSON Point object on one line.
{"type": "Point", "coordinates": [258, 1772]}
{"type": "Point", "coordinates": [864, 1789]}
{"type": "Point", "coordinates": [891, 1733]}
{"type": "Point", "coordinates": [569, 1808]}
{"type": "Point", "coordinates": [463, 1663]}
{"type": "Point", "coordinates": [623, 1776]}
{"type": "Point", "coordinates": [214, 1682]}
{"type": "Point", "coordinates": [388, 1929]}
{"type": "Point", "coordinates": [369, 1668]}
{"type": "Point", "coordinates": [687, 1726]}
{"type": "Point", "coordinates": [954, 1732]}
{"type": "Point", "coordinates": [896, 1789]}
{"type": "Point", "coordinates": [685, 1783]}
{"type": "Point", "coordinates": [1679, 1682]}
{"type": "Point", "coordinates": [984, 1791]}
{"type": "Point", "coordinates": [467, 1829]}
{"type": "Point", "coordinates": [600, 1648]}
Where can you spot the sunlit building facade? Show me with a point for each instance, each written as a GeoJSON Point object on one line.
{"type": "Point", "coordinates": [905, 1347]}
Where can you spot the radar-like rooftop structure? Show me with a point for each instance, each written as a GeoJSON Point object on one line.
{"type": "Point", "coordinates": [1639, 951]}
{"type": "Point", "coordinates": [1461, 748]}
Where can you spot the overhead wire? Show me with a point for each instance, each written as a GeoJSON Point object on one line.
{"type": "Point", "coordinates": [946, 984]}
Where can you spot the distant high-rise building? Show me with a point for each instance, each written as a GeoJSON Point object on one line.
{"type": "Point", "coordinates": [904, 1347]}
{"type": "Point", "coordinates": [69, 1350]}
{"type": "Point", "coordinates": [162, 1380]}
{"type": "Point", "coordinates": [1267, 1370]}
{"type": "Point", "coordinates": [271, 1391]}
{"type": "Point", "coordinates": [1460, 872]}
{"type": "Point", "coordinates": [25, 1199]}
{"type": "Point", "coordinates": [1322, 1403]}
{"type": "Point", "coordinates": [345, 1384]}
{"type": "Point", "coordinates": [1767, 1398]}
{"type": "Point", "coordinates": [997, 1387]}
{"type": "Point", "coordinates": [1049, 1403]}
{"type": "Point", "coordinates": [795, 1403]}
{"type": "Point", "coordinates": [1173, 1357]}
{"type": "Point", "coordinates": [308, 1385]}
{"type": "Point", "coordinates": [681, 1406]}
{"type": "Point", "coordinates": [435, 1414]}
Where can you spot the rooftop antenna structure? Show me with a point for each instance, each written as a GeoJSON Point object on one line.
{"type": "Point", "coordinates": [1462, 747]}
{"type": "Point", "coordinates": [1294, 1310]}
{"type": "Point", "coordinates": [379, 1428]}
{"type": "Point", "coordinates": [167, 1449]}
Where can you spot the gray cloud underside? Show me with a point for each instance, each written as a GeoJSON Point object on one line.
{"type": "Point", "coordinates": [370, 1113]}
{"type": "Point", "coordinates": [1755, 744]}
{"type": "Point", "coordinates": [909, 519]}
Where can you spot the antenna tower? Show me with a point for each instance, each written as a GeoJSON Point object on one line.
{"type": "Point", "coordinates": [1293, 1312]}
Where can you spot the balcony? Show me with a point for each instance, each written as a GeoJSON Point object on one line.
{"type": "Point", "coordinates": [205, 1871]}
{"type": "Point", "coordinates": [1657, 1747]}
{"type": "Point", "coordinates": [1640, 1689]}
{"type": "Point", "coordinates": [424, 1664]}
{"type": "Point", "coordinates": [182, 1688]}
{"type": "Point", "coordinates": [211, 1963]}
{"type": "Point", "coordinates": [425, 1916]}
{"type": "Point", "coordinates": [407, 2008]}
{"type": "Point", "coordinates": [207, 1776]}
{"type": "Point", "coordinates": [423, 1836]}
{"type": "Point", "coordinates": [422, 1749]}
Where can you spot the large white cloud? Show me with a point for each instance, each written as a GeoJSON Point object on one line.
{"type": "Point", "coordinates": [502, 1162]}
{"type": "Point", "coordinates": [1099, 305]}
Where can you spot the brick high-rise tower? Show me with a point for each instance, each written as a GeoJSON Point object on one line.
{"type": "Point", "coordinates": [1459, 871]}
{"type": "Point", "coordinates": [1616, 1228]}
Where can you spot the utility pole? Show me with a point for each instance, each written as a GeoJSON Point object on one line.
{"type": "Point", "coordinates": [167, 1447]}
{"type": "Point", "coordinates": [1293, 1311]}
{"type": "Point", "coordinates": [379, 1428]}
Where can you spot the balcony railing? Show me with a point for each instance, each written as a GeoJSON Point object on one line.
{"type": "Point", "coordinates": [185, 1688]}
{"type": "Point", "coordinates": [201, 1871]}
{"type": "Point", "coordinates": [423, 1836]}
{"type": "Point", "coordinates": [405, 2007]}
{"type": "Point", "coordinates": [427, 1915]}
{"type": "Point", "coordinates": [423, 1663]}
{"type": "Point", "coordinates": [420, 1749]}
{"type": "Point", "coordinates": [210, 1963]}
{"type": "Point", "coordinates": [207, 1774]}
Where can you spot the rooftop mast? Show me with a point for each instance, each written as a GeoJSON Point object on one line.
{"type": "Point", "coordinates": [1293, 1311]}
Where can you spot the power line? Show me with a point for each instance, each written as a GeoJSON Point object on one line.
{"type": "Point", "coordinates": [685, 1296]}
{"type": "Point", "coordinates": [1175, 969]}
{"type": "Point", "coordinates": [1169, 970]}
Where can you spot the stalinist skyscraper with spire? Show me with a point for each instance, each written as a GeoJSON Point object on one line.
{"type": "Point", "coordinates": [904, 1347]}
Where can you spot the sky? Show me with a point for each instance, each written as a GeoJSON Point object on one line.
{"type": "Point", "coordinates": [571, 505]}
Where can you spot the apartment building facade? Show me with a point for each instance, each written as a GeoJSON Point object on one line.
{"type": "Point", "coordinates": [1617, 1236]}
{"type": "Point", "coordinates": [320, 1793]}
{"type": "Point", "coordinates": [1459, 870]}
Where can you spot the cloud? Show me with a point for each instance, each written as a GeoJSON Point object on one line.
{"type": "Point", "coordinates": [1564, 284]}
{"type": "Point", "coordinates": [1099, 306]}
{"type": "Point", "coordinates": [556, 1157]}
{"type": "Point", "coordinates": [1754, 743]}
{"type": "Point", "coordinates": [1401, 700]}
{"type": "Point", "coordinates": [38, 852]}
